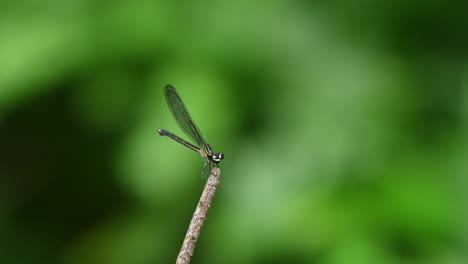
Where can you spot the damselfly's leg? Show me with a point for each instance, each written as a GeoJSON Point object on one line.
{"type": "Point", "coordinates": [205, 167]}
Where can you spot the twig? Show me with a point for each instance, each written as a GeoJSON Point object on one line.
{"type": "Point", "coordinates": [198, 219]}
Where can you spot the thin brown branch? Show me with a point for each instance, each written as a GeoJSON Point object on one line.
{"type": "Point", "coordinates": [198, 219]}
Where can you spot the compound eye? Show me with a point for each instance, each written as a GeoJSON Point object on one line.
{"type": "Point", "coordinates": [217, 157]}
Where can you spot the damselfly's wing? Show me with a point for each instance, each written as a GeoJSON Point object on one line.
{"type": "Point", "coordinates": [182, 115]}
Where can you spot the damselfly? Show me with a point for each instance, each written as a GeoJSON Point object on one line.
{"type": "Point", "coordinates": [187, 124]}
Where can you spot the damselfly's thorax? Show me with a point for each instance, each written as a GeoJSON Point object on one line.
{"type": "Point", "coordinates": [207, 152]}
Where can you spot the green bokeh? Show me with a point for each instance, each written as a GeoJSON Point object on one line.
{"type": "Point", "coordinates": [343, 125]}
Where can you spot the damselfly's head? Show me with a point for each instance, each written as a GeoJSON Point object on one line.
{"type": "Point", "coordinates": [216, 157]}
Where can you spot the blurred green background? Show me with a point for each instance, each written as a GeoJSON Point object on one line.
{"type": "Point", "coordinates": [343, 124]}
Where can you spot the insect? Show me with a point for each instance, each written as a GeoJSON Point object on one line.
{"type": "Point", "coordinates": [190, 128]}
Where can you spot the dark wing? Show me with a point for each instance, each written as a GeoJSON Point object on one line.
{"type": "Point", "coordinates": [182, 116]}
